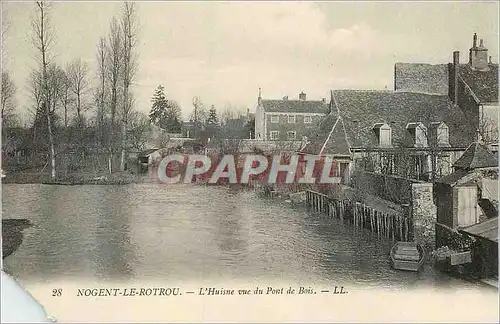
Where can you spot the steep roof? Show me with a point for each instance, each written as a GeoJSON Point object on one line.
{"type": "Point", "coordinates": [476, 156]}
{"type": "Point", "coordinates": [454, 178]}
{"type": "Point", "coordinates": [362, 109]}
{"type": "Point", "coordinates": [421, 77]}
{"type": "Point", "coordinates": [295, 106]}
{"type": "Point", "coordinates": [484, 84]}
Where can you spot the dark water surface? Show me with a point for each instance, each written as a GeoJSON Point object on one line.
{"type": "Point", "coordinates": [187, 232]}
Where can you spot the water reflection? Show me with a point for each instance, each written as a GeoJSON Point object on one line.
{"type": "Point", "coordinates": [191, 232]}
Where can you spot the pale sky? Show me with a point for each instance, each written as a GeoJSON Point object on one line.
{"type": "Point", "coordinates": [224, 51]}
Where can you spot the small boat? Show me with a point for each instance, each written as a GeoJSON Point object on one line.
{"type": "Point", "coordinates": [407, 256]}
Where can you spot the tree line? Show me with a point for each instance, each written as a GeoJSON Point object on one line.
{"type": "Point", "coordinates": [205, 125]}
{"type": "Point", "coordinates": [81, 117]}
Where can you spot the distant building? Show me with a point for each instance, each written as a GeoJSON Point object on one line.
{"type": "Point", "coordinates": [287, 119]}
{"type": "Point", "coordinates": [188, 129]}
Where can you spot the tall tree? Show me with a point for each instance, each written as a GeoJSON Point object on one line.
{"type": "Point", "coordinates": [65, 95]}
{"type": "Point", "coordinates": [8, 92]}
{"type": "Point", "coordinates": [43, 40]}
{"type": "Point", "coordinates": [77, 73]}
{"type": "Point", "coordinates": [165, 113]}
{"type": "Point", "coordinates": [102, 53]}
{"type": "Point", "coordinates": [212, 119]}
{"type": "Point", "coordinates": [139, 131]}
{"type": "Point", "coordinates": [198, 116]}
{"type": "Point", "coordinates": [129, 28]}
{"type": "Point", "coordinates": [114, 59]}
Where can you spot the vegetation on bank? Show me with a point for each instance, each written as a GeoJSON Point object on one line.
{"type": "Point", "coordinates": [78, 178]}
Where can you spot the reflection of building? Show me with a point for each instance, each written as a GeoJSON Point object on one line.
{"type": "Point", "coordinates": [287, 119]}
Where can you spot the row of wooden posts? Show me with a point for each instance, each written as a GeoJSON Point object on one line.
{"type": "Point", "coordinates": [393, 226]}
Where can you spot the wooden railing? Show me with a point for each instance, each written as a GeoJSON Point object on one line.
{"type": "Point", "coordinates": [396, 226]}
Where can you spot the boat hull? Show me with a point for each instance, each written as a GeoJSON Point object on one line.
{"type": "Point", "coordinates": [407, 265]}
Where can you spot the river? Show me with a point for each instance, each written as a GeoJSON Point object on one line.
{"type": "Point", "coordinates": [187, 232]}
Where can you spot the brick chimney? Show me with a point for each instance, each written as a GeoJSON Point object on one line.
{"type": "Point", "coordinates": [302, 96]}
{"type": "Point", "coordinates": [478, 55]}
{"type": "Point", "coordinates": [453, 81]}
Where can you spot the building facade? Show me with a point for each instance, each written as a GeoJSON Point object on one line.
{"type": "Point", "coordinates": [287, 119]}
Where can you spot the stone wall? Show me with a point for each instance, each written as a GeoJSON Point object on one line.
{"type": "Point", "coordinates": [395, 189]}
{"type": "Point", "coordinates": [424, 214]}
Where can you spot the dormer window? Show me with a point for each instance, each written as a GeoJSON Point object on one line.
{"type": "Point", "coordinates": [418, 133]}
{"type": "Point", "coordinates": [275, 119]}
{"type": "Point", "coordinates": [384, 134]}
{"type": "Point", "coordinates": [291, 119]}
{"type": "Point", "coordinates": [439, 134]}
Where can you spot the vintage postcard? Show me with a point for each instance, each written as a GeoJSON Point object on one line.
{"type": "Point", "coordinates": [237, 161]}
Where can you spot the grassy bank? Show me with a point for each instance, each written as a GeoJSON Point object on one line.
{"type": "Point", "coordinates": [87, 178]}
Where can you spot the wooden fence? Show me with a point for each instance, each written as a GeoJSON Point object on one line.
{"type": "Point", "coordinates": [396, 226]}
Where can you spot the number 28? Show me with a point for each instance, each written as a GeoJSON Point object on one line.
{"type": "Point", "coordinates": [56, 292]}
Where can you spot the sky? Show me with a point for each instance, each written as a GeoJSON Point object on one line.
{"type": "Point", "coordinates": [224, 51]}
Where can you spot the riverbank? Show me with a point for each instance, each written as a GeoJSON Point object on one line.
{"type": "Point", "coordinates": [437, 258]}
{"type": "Point", "coordinates": [88, 178]}
{"type": "Point", "coordinates": [12, 235]}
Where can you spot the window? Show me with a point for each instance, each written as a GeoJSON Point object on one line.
{"type": "Point", "coordinates": [439, 134]}
{"type": "Point", "coordinates": [275, 119]}
{"type": "Point", "coordinates": [291, 135]}
{"type": "Point", "coordinates": [275, 135]}
{"type": "Point", "coordinates": [307, 119]}
{"type": "Point", "coordinates": [383, 133]}
{"type": "Point", "coordinates": [291, 119]}
{"type": "Point", "coordinates": [418, 134]}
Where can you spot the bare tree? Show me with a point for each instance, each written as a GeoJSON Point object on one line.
{"type": "Point", "coordinates": [5, 29]}
{"type": "Point", "coordinates": [102, 52]}
{"type": "Point", "coordinates": [7, 98]}
{"type": "Point", "coordinates": [43, 40]}
{"type": "Point", "coordinates": [198, 116]}
{"type": "Point", "coordinates": [129, 28]}
{"type": "Point", "coordinates": [65, 95]}
{"type": "Point", "coordinates": [114, 59]}
{"type": "Point", "coordinates": [77, 73]}
{"type": "Point", "coordinates": [139, 130]}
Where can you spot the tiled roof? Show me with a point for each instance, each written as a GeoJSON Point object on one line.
{"type": "Point", "coordinates": [484, 84]}
{"type": "Point", "coordinates": [335, 139]}
{"type": "Point", "coordinates": [295, 106]}
{"type": "Point", "coordinates": [476, 156]}
{"type": "Point", "coordinates": [429, 78]}
{"type": "Point", "coordinates": [487, 229]}
{"type": "Point", "coordinates": [362, 109]}
{"type": "Point", "coordinates": [420, 77]}
{"type": "Point", "coordinates": [453, 178]}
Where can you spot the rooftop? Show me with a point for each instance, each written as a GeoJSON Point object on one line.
{"type": "Point", "coordinates": [295, 106]}
{"type": "Point", "coordinates": [487, 229]}
{"type": "Point", "coordinates": [421, 77]}
{"type": "Point", "coordinates": [476, 156]}
{"type": "Point", "coordinates": [484, 84]}
{"type": "Point", "coordinates": [434, 79]}
{"type": "Point", "coordinates": [361, 110]}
